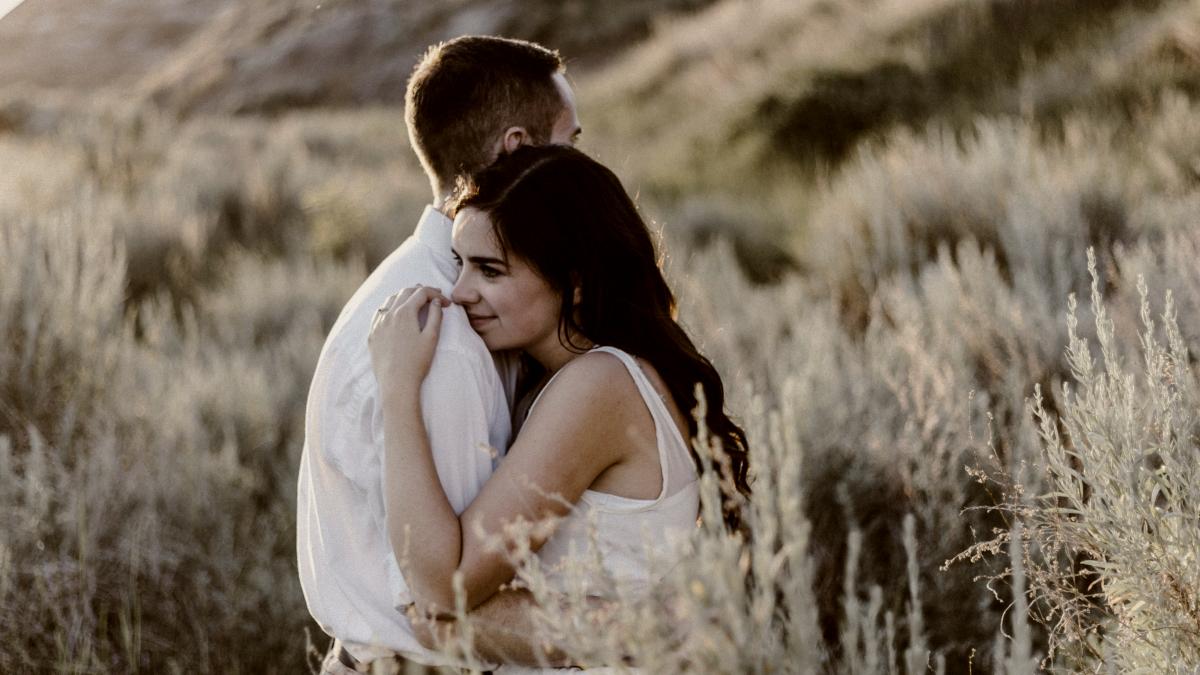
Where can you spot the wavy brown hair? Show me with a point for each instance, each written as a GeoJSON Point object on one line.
{"type": "Point", "coordinates": [570, 218]}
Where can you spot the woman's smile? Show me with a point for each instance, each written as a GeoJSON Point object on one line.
{"type": "Point", "coordinates": [479, 321]}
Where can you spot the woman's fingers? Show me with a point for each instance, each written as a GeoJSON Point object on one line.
{"type": "Point", "coordinates": [395, 300]}
{"type": "Point", "coordinates": [421, 297]}
{"type": "Point", "coordinates": [380, 315]}
{"type": "Point", "coordinates": [409, 302]}
{"type": "Point", "coordinates": [385, 309]}
{"type": "Point", "coordinates": [433, 322]}
{"type": "Point", "coordinates": [416, 295]}
{"type": "Point", "coordinates": [407, 293]}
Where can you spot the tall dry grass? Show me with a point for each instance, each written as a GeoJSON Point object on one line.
{"type": "Point", "coordinates": [883, 327]}
{"type": "Point", "coordinates": [151, 425]}
{"type": "Point", "coordinates": [1111, 543]}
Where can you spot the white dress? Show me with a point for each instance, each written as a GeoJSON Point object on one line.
{"type": "Point", "coordinates": [635, 539]}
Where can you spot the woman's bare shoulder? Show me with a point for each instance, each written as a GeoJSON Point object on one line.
{"type": "Point", "coordinates": [597, 376]}
{"type": "Point", "coordinates": [593, 391]}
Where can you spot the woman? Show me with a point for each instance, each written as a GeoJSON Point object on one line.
{"type": "Point", "coordinates": [556, 263]}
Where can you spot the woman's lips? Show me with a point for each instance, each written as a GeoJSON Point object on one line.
{"type": "Point", "coordinates": [477, 321]}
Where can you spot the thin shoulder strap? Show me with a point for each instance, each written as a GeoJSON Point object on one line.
{"type": "Point", "coordinates": [666, 430]}
{"type": "Point", "coordinates": [543, 391]}
{"type": "Point", "coordinates": [653, 401]}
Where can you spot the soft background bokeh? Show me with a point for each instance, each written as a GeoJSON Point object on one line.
{"type": "Point", "coordinates": [874, 212]}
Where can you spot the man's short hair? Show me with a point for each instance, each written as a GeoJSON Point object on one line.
{"type": "Point", "coordinates": [465, 92]}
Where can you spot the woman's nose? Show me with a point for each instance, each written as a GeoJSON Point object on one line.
{"type": "Point", "coordinates": [462, 293]}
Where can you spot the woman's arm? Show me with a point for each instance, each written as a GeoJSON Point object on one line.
{"type": "Point", "coordinates": [572, 437]}
{"type": "Point", "coordinates": [502, 630]}
{"type": "Point", "coordinates": [402, 352]}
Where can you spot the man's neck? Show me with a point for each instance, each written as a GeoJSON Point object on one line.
{"type": "Point", "coordinates": [439, 202]}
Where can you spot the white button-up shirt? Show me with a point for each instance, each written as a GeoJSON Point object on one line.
{"type": "Point", "coordinates": [349, 574]}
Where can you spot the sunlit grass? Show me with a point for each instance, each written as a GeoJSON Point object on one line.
{"type": "Point", "coordinates": [892, 332]}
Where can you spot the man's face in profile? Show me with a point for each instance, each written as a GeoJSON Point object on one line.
{"type": "Point", "coordinates": [566, 128]}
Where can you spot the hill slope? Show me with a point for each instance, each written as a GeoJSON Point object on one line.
{"type": "Point", "coordinates": [69, 44]}
{"type": "Point", "coordinates": [230, 56]}
{"type": "Point", "coordinates": [739, 86]}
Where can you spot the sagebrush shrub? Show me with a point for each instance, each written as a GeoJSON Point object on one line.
{"type": "Point", "coordinates": [1115, 568]}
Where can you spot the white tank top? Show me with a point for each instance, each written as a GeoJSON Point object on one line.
{"type": "Point", "coordinates": [636, 539]}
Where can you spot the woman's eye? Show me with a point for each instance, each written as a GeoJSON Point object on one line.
{"type": "Point", "coordinates": [489, 272]}
{"type": "Point", "coordinates": [457, 260]}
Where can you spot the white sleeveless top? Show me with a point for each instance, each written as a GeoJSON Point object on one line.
{"type": "Point", "coordinates": [635, 540]}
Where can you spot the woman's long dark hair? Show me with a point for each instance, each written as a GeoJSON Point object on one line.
{"type": "Point", "coordinates": [570, 218]}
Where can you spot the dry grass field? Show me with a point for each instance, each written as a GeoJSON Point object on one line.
{"type": "Point", "coordinates": [946, 254]}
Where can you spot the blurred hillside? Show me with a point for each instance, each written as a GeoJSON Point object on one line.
{"type": "Point", "coordinates": [687, 96]}
{"type": "Point", "coordinates": [225, 56]}
{"type": "Point", "coordinates": [73, 45]}
{"type": "Point", "coordinates": [744, 90]}
{"type": "Point", "coordinates": [698, 104]}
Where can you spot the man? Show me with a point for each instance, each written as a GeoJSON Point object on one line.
{"type": "Point", "coordinates": [468, 101]}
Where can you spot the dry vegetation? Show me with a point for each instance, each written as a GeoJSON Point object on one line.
{"type": "Point", "coordinates": [875, 228]}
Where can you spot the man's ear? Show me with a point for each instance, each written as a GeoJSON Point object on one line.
{"type": "Point", "coordinates": [514, 137]}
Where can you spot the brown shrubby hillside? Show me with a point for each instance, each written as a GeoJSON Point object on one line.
{"type": "Point", "coordinates": [152, 417]}
{"type": "Point", "coordinates": [271, 56]}
{"type": "Point", "coordinates": [874, 214]}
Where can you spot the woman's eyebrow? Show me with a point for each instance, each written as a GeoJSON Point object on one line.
{"type": "Point", "coordinates": [485, 260]}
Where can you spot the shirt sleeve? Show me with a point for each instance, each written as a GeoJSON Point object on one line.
{"type": "Point", "coordinates": [461, 401]}
{"type": "Point", "coordinates": [457, 406]}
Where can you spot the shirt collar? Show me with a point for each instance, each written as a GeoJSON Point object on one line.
{"type": "Point", "coordinates": [433, 230]}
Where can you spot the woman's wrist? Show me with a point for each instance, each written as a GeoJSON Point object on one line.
{"type": "Point", "coordinates": [396, 395]}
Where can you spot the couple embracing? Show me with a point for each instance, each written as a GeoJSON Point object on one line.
{"type": "Point", "coordinates": [527, 315]}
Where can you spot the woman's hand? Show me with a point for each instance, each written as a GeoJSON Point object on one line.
{"type": "Point", "coordinates": [401, 345]}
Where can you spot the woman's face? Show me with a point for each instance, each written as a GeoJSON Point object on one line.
{"type": "Point", "coordinates": [509, 305]}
